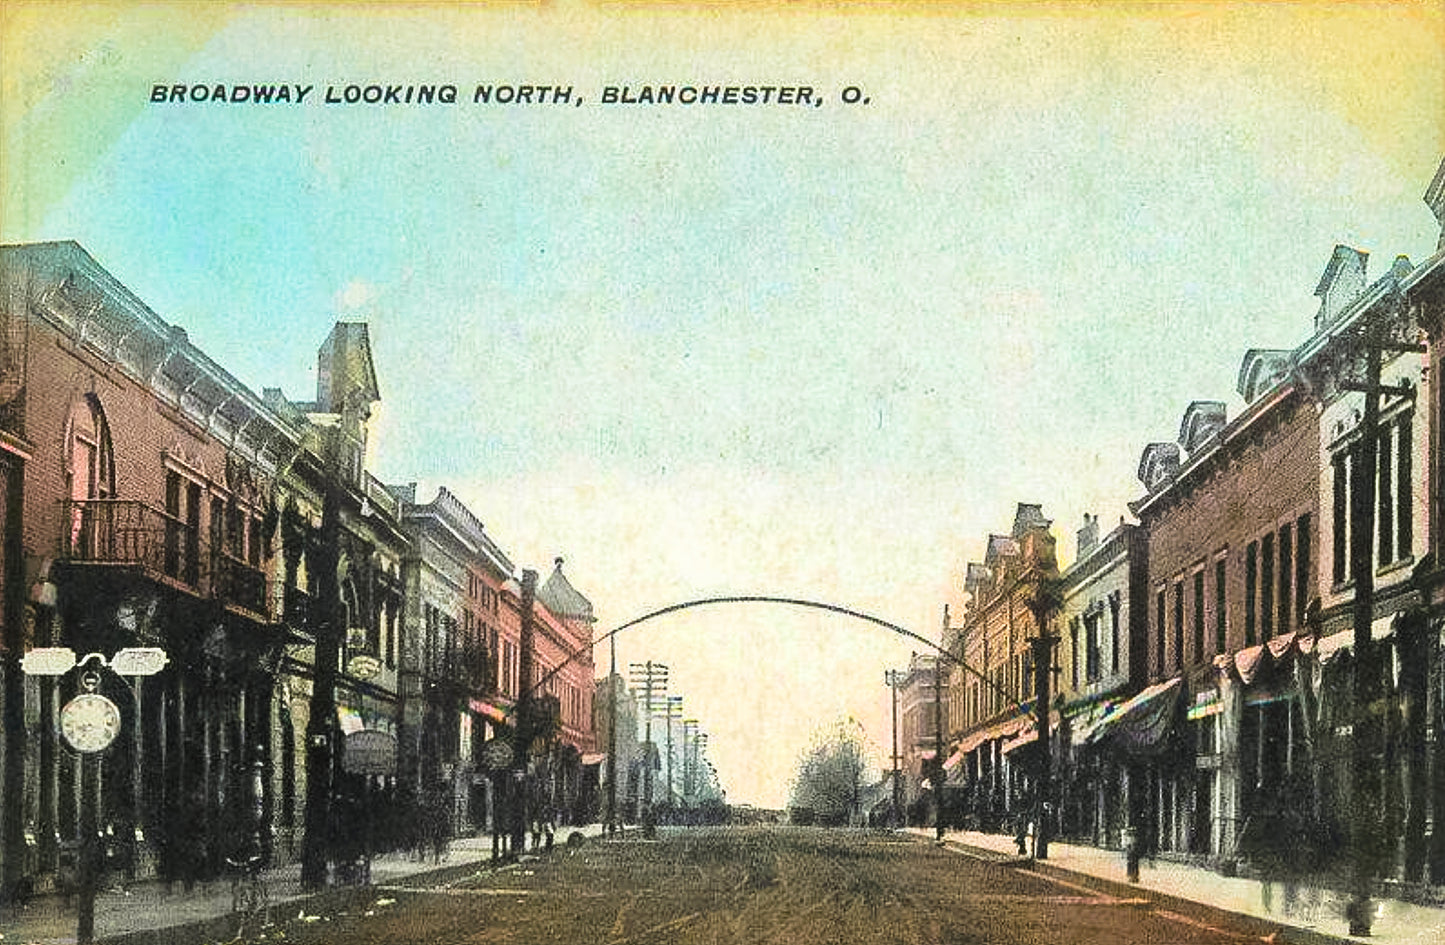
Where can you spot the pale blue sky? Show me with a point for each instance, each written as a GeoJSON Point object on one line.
{"type": "Point", "coordinates": [810, 352]}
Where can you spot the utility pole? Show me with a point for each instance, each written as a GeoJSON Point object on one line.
{"type": "Point", "coordinates": [1365, 768]}
{"type": "Point", "coordinates": [938, 746]}
{"type": "Point", "coordinates": [653, 679]}
{"type": "Point", "coordinates": [895, 678]}
{"type": "Point", "coordinates": [1043, 656]}
{"type": "Point", "coordinates": [674, 711]}
{"type": "Point", "coordinates": [1043, 605]}
{"type": "Point", "coordinates": [689, 758]}
{"type": "Point", "coordinates": [322, 730]}
{"type": "Point", "coordinates": [613, 684]}
{"type": "Point", "coordinates": [522, 747]}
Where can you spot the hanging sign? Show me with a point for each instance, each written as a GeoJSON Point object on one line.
{"type": "Point", "coordinates": [369, 752]}
{"type": "Point", "coordinates": [139, 661]}
{"type": "Point", "coordinates": [498, 754]}
{"type": "Point", "coordinates": [48, 661]}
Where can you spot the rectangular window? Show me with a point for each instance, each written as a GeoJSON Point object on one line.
{"type": "Point", "coordinates": [1178, 624]}
{"type": "Point", "coordinates": [1404, 491]}
{"type": "Point", "coordinates": [1160, 630]}
{"type": "Point", "coordinates": [1302, 564]}
{"type": "Point", "coordinates": [1266, 588]}
{"type": "Point", "coordinates": [1221, 600]}
{"type": "Point", "coordinates": [1114, 603]}
{"type": "Point", "coordinates": [1251, 589]}
{"type": "Point", "coordinates": [1356, 499]}
{"type": "Point", "coordinates": [1198, 615]}
{"type": "Point", "coordinates": [1091, 645]}
{"type": "Point", "coordinates": [1340, 512]}
{"type": "Point", "coordinates": [1286, 577]}
{"type": "Point", "coordinates": [1384, 493]}
{"type": "Point", "coordinates": [1074, 652]}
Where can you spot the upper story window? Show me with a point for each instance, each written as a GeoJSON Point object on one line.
{"type": "Point", "coordinates": [89, 462]}
{"type": "Point", "coordinates": [1393, 505]}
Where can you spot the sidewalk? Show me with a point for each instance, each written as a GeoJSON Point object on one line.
{"type": "Point", "coordinates": [146, 907]}
{"type": "Point", "coordinates": [1314, 915]}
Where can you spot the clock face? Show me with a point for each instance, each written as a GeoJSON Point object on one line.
{"type": "Point", "coordinates": [89, 722]}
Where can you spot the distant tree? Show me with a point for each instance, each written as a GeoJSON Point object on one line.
{"type": "Point", "coordinates": [827, 787]}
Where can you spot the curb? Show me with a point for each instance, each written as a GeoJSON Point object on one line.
{"type": "Point", "coordinates": [224, 927]}
{"type": "Point", "coordinates": [1253, 924]}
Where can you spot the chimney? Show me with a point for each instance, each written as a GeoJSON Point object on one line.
{"type": "Point", "coordinates": [1088, 536]}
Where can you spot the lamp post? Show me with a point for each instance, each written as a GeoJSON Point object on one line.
{"type": "Point", "coordinates": [894, 678]}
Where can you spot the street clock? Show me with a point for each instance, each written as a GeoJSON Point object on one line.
{"type": "Point", "coordinates": [89, 722]}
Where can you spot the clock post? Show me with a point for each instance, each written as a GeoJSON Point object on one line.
{"type": "Point", "coordinates": [89, 723]}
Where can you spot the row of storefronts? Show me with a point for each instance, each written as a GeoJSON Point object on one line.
{"type": "Point", "coordinates": [1203, 657]}
{"type": "Point", "coordinates": [335, 651]}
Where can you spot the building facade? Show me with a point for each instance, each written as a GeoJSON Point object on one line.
{"type": "Point", "coordinates": [991, 694]}
{"type": "Point", "coordinates": [313, 624]}
{"type": "Point", "coordinates": [1102, 628]}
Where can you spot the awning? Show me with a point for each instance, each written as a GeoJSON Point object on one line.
{"type": "Point", "coordinates": [1083, 720]}
{"type": "Point", "coordinates": [1141, 722]}
{"type": "Point", "coordinates": [953, 761]}
{"type": "Point", "coordinates": [977, 737]}
{"type": "Point", "coordinates": [1030, 734]}
{"type": "Point", "coordinates": [594, 758]}
{"type": "Point", "coordinates": [1248, 663]}
{"type": "Point", "coordinates": [1341, 642]}
{"type": "Point", "coordinates": [484, 708]}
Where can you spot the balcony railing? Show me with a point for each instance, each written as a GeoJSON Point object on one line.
{"type": "Point", "coordinates": [130, 533]}
{"type": "Point", "coordinates": [127, 532]}
{"type": "Point", "coordinates": [240, 584]}
{"type": "Point", "coordinates": [465, 667]}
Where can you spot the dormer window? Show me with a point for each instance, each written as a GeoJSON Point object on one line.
{"type": "Point", "coordinates": [1158, 465]}
{"type": "Point", "coordinates": [1202, 420]}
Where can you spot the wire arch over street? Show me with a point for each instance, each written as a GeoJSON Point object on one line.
{"type": "Point", "coordinates": [788, 601]}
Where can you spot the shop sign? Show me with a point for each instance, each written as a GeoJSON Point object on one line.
{"type": "Point", "coordinates": [48, 661]}
{"type": "Point", "coordinates": [497, 754]}
{"type": "Point", "coordinates": [139, 661]}
{"type": "Point", "coordinates": [369, 752]}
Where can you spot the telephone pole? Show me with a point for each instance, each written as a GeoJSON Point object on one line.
{"type": "Point", "coordinates": [652, 677]}
{"type": "Point", "coordinates": [894, 678]}
{"type": "Point", "coordinates": [938, 745]}
{"type": "Point", "coordinates": [1365, 768]}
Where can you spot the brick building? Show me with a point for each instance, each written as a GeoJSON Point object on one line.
{"type": "Point", "coordinates": [153, 501]}
{"type": "Point", "coordinates": [1424, 828]}
{"type": "Point", "coordinates": [1231, 531]}
{"type": "Point", "coordinates": [992, 699]}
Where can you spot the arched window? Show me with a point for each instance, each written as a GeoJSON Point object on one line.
{"type": "Point", "coordinates": [89, 471]}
